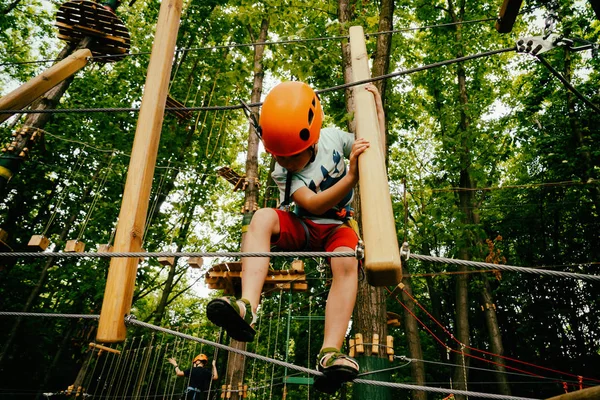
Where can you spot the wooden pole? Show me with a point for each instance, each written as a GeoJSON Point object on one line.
{"type": "Point", "coordinates": [120, 283]}
{"type": "Point", "coordinates": [35, 87]}
{"type": "Point", "coordinates": [508, 15]}
{"type": "Point", "coordinates": [382, 254]}
{"type": "Point", "coordinates": [591, 393]}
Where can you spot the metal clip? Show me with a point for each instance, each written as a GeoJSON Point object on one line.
{"type": "Point", "coordinates": [405, 251]}
{"type": "Point", "coordinates": [536, 45]}
{"type": "Point", "coordinates": [360, 250]}
{"type": "Point", "coordinates": [129, 318]}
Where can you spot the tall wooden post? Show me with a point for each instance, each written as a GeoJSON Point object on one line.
{"type": "Point", "coordinates": [382, 253]}
{"type": "Point", "coordinates": [120, 284]}
{"type": "Point", "coordinates": [35, 87]}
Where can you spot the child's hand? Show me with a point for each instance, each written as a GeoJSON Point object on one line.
{"type": "Point", "coordinates": [358, 147]}
{"type": "Point", "coordinates": [373, 89]}
{"type": "Point", "coordinates": [172, 362]}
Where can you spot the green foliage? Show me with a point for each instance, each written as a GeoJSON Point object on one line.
{"type": "Point", "coordinates": [529, 148]}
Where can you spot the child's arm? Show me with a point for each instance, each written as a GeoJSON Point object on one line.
{"type": "Point", "coordinates": [215, 374]}
{"type": "Point", "coordinates": [380, 114]}
{"type": "Point", "coordinates": [319, 203]}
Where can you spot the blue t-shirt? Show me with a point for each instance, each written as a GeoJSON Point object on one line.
{"type": "Point", "coordinates": [327, 169]}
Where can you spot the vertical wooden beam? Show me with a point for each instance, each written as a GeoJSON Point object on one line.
{"type": "Point", "coordinates": [120, 283]}
{"type": "Point", "coordinates": [35, 87]}
{"type": "Point", "coordinates": [382, 254]}
{"type": "Point", "coordinates": [508, 15]}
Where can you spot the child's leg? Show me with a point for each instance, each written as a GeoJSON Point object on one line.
{"type": "Point", "coordinates": [264, 224]}
{"type": "Point", "coordinates": [237, 316]}
{"type": "Point", "coordinates": [341, 299]}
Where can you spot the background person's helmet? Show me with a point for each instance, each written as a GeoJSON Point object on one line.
{"type": "Point", "coordinates": [200, 357]}
{"type": "Point", "coordinates": [290, 119]}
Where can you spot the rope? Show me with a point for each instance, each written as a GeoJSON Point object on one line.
{"type": "Point", "coordinates": [323, 254]}
{"type": "Point", "coordinates": [47, 315]}
{"type": "Point", "coordinates": [478, 264]}
{"type": "Point", "coordinates": [132, 321]}
{"type": "Point", "coordinates": [568, 85]}
{"type": "Point", "coordinates": [449, 349]}
{"type": "Point", "coordinates": [236, 107]}
{"type": "Point", "coordinates": [315, 254]}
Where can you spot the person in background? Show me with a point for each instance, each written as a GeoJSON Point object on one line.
{"type": "Point", "coordinates": [199, 377]}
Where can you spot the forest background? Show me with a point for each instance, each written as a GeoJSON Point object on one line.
{"type": "Point", "coordinates": [488, 159]}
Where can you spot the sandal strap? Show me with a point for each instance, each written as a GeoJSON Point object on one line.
{"type": "Point", "coordinates": [334, 355]}
{"type": "Point", "coordinates": [237, 305]}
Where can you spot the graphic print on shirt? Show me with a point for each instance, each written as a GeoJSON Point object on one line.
{"type": "Point", "coordinates": [337, 173]}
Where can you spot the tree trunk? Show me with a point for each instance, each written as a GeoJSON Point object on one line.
{"type": "Point", "coordinates": [496, 345]}
{"type": "Point", "coordinates": [466, 206]}
{"type": "Point", "coordinates": [381, 64]}
{"type": "Point", "coordinates": [158, 314]}
{"type": "Point", "coordinates": [411, 329]}
{"type": "Point", "coordinates": [369, 318]}
{"type": "Point", "coordinates": [236, 362]}
{"type": "Point", "coordinates": [345, 15]}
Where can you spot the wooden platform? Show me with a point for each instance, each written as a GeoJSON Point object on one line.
{"type": "Point", "coordinates": [183, 115]}
{"type": "Point", "coordinates": [228, 277]}
{"type": "Point", "coordinates": [78, 19]}
{"type": "Point", "coordinates": [232, 177]}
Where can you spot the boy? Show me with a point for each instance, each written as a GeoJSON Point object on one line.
{"type": "Point", "coordinates": [198, 376]}
{"type": "Point", "coordinates": [311, 172]}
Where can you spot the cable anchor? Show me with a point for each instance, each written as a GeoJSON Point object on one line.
{"type": "Point", "coordinates": [405, 251]}
{"type": "Point", "coordinates": [360, 250]}
{"type": "Point", "coordinates": [536, 45]}
{"type": "Point", "coordinates": [129, 318]}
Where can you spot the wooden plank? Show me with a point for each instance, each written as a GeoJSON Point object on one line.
{"type": "Point", "coordinates": [39, 242]}
{"type": "Point", "coordinates": [78, 19]}
{"type": "Point", "coordinates": [296, 286]}
{"type": "Point", "coordinates": [382, 253]}
{"type": "Point", "coordinates": [120, 283]}
{"type": "Point", "coordinates": [104, 348]}
{"type": "Point", "coordinates": [234, 266]}
{"type": "Point", "coordinates": [74, 246]}
{"type": "Point", "coordinates": [34, 88]}
{"type": "Point", "coordinates": [87, 31]}
{"type": "Point", "coordinates": [508, 15]}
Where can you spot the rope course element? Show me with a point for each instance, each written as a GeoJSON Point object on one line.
{"type": "Point", "coordinates": [240, 106]}
{"type": "Point", "coordinates": [474, 349]}
{"type": "Point", "coordinates": [281, 42]}
{"type": "Point", "coordinates": [314, 254]}
{"type": "Point", "coordinates": [410, 360]}
{"type": "Point", "coordinates": [478, 264]}
{"type": "Point", "coordinates": [323, 254]}
{"type": "Point", "coordinates": [131, 320]}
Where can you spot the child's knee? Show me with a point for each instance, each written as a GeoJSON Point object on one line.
{"type": "Point", "coordinates": [344, 266]}
{"type": "Point", "coordinates": [264, 219]}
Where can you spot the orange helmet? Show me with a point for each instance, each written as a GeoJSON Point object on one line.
{"type": "Point", "coordinates": [290, 119]}
{"type": "Point", "coordinates": [200, 357]}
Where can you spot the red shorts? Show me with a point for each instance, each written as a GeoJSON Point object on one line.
{"type": "Point", "coordinates": [328, 237]}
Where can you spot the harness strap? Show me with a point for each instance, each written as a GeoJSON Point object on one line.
{"type": "Point", "coordinates": [288, 188]}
